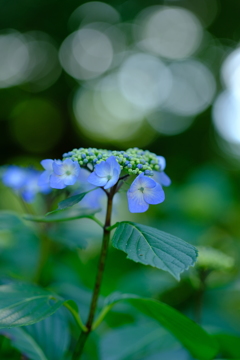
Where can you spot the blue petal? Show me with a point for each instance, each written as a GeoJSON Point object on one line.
{"type": "Point", "coordinates": [136, 202]}
{"type": "Point", "coordinates": [154, 195]}
{"type": "Point", "coordinates": [113, 164]}
{"type": "Point", "coordinates": [113, 180]}
{"type": "Point", "coordinates": [96, 180]}
{"type": "Point", "coordinates": [15, 177]}
{"type": "Point", "coordinates": [44, 178]}
{"type": "Point", "coordinates": [103, 169]}
{"type": "Point", "coordinates": [69, 179]}
{"type": "Point", "coordinates": [163, 179]}
{"type": "Point", "coordinates": [57, 168]}
{"type": "Point", "coordinates": [161, 162]}
{"type": "Point", "coordinates": [56, 182]}
{"type": "Point", "coordinates": [47, 164]}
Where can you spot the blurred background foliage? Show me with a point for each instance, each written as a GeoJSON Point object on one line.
{"type": "Point", "coordinates": [160, 75]}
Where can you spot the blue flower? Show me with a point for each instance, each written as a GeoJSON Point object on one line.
{"type": "Point", "coordinates": [14, 177]}
{"type": "Point", "coordinates": [24, 181]}
{"type": "Point", "coordinates": [144, 191]}
{"type": "Point", "coordinates": [106, 173]}
{"type": "Point", "coordinates": [44, 178]}
{"type": "Point", "coordinates": [160, 175]}
{"type": "Point", "coordinates": [65, 173]}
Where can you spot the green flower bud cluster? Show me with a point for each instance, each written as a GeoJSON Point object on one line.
{"type": "Point", "coordinates": [210, 258]}
{"type": "Point", "coordinates": [134, 161]}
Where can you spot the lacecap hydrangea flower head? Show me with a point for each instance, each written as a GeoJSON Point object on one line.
{"type": "Point", "coordinates": [108, 170]}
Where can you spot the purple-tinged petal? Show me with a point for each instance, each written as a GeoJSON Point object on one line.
{"type": "Point", "coordinates": [97, 180]}
{"type": "Point", "coordinates": [154, 195]}
{"type": "Point", "coordinates": [113, 180]}
{"type": "Point", "coordinates": [161, 162]}
{"type": "Point", "coordinates": [56, 182]}
{"type": "Point", "coordinates": [103, 169]}
{"type": "Point", "coordinates": [47, 164]}
{"type": "Point", "coordinates": [136, 202]}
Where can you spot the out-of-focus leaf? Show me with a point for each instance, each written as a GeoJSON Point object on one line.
{"type": "Point", "coordinates": [196, 340]}
{"type": "Point", "coordinates": [69, 237]}
{"type": "Point", "coordinates": [45, 340]}
{"type": "Point", "coordinates": [153, 247]}
{"type": "Point", "coordinates": [9, 221]}
{"type": "Point", "coordinates": [63, 215]}
{"type": "Point", "coordinates": [138, 339]}
{"type": "Point", "coordinates": [24, 304]}
{"type": "Point", "coordinates": [229, 345]}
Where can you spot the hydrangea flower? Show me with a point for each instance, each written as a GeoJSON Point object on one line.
{"type": "Point", "coordinates": [44, 178]}
{"type": "Point", "coordinates": [143, 192]}
{"type": "Point", "coordinates": [24, 181]}
{"type": "Point", "coordinates": [106, 173]}
{"type": "Point", "coordinates": [64, 173]}
{"type": "Point", "coordinates": [160, 175]}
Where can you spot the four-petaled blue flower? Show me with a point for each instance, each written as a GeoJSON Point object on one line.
{"type": "Point", "coordinates": [65, 173]}
{"type": "Point", "coordinates": [144, 191]}
{"type": "Point", "coordinates": [160, 176]}
{"type": "Point", "coordinates": [106, 173]}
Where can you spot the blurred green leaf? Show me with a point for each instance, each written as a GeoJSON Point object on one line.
{"type": "Point", "coordinates": [72, 238]}
{"type": "Point", "coordinates": [196, 340]}
{"type": "Point", "coordinates": [24, 304]}
{"type": "Point", "coordinates": [63, 215]}
{"type": "Point", "coordinates": [46, 340]}
{"type": "Point", "coordinates": [9, 221]}
{"type": "Point", "coordinates": [153, 247]}
{"type": "Point", "coordinates": [138, 339]}
{"type": "Point", "coordinates": [229, 345]}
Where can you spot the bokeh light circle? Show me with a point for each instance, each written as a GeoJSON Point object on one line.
{"type": "Point", "coordinates": [86, 54]}
{"type": "Point", "coordinates": [171, 32]}
{"type": "Point", "coordinates": [192, 90]}
{"type": "Point", "coordinates": [145, 81]}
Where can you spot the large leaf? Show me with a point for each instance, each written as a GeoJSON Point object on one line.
{"type": "Point", "coordinates": [9, 221]}
{"type": "Point", "coordinates": [196, 340]}
{"type": "Point", "coordinates": [24, 304]}
{"type": "Point", "coordinates": [139, 340]}
{"type": "Point", "coordinates": [63, 215]}
{"type": "Point", "coordinates": [45, 340]}
{"type": "Point", "coordinates": [229, 345]}
{"type": "Point", "coordinates": [153, 247]}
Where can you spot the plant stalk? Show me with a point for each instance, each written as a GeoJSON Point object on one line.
{"type": "Point", "coordinates": [101, 266]}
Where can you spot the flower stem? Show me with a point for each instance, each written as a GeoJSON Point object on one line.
{"type": "Point", "coordinates": [106, 237]}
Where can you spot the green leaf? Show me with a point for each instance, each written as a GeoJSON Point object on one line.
{"type": "Point", "coordinates": [196, 340]}
{"type": "Point", "coordinates": [139, 339]}
{"type": "Point", "coordinates": [63, 215]}
{"type": "Point", "coordinates": [72, 200]}
{"type": "Point", "coordinates": [153, 247]}
{"type": "Point", "coordinates": [46, 340]}
{"type": "Point", "coordinates": [229, 345]}
{"type": "Point", "coordinates": [9, 221]}
{"type": "Point", "coordinates": [24, 304]}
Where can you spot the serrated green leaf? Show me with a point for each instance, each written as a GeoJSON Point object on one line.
{"type": "Point", "coordinates": [62, 215]}
{"type": "Point", "coordinates": [45, 340]}
{"type": "Point", "coordinates": [196, 340]}
{"type": "Point", "coordinates": [24, 304]}
{"type": "Point", "coordinates": [153, 247]}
